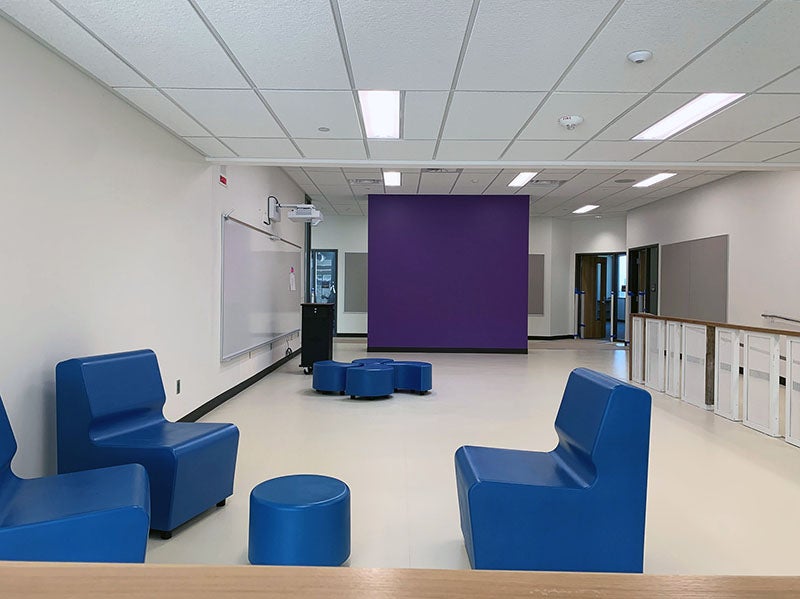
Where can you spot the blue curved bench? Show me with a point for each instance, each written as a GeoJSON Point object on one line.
{"type": "Point", "coordinates": [580, 507]}
{"type": "Point", "coordinates": [413, 376]}
{"type": "Point", "coordinates": [109, 412]}
{"type": "Point", "coordinates": [92, 516]}
{"type": "Point", "coordinates": [331, 376]}
{"type": "Point", "coordinates": [375, 380]}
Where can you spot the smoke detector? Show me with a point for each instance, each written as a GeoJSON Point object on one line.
{"type": "Point", "coordinates": [570, 121]}
{"type": "Point", "coordinates": [640, 56]}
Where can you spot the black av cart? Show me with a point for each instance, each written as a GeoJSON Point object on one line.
{"type": "Point", "coordinates": [317, 335]}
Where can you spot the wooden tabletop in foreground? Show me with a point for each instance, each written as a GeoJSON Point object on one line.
{"type": "Point", "coordinates": [134, 581]}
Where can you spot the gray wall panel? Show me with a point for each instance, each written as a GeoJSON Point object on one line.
{"type": "Point", "coordinates": [536, 284]}
{"type": "Point", "coordinates": [355, 282]}
{"type": "Point", "coordinates": [694, 279]}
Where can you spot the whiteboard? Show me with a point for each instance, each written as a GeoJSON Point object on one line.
{"type": "Point", "coordinates": [259, 305]}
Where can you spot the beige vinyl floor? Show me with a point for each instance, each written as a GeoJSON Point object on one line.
{"type": "Point", "coordinates": [723, 499]}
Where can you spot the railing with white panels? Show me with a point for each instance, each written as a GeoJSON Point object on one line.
{"type": "Point", "coordinates": [733, 369]}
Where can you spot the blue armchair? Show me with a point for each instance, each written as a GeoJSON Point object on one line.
{"type": "Point", "coordinates": [580, 507]}
{"type": "Point", "coordinates": [93, 516]}
{"type": "Point", "coordinates": [110, 412]}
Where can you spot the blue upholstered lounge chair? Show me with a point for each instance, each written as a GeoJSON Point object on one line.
{"type": "Point", "coordinates": [93, 516]}
{"type": "Point", "coordinates": [580, 507]}
{"type": "Point", "coordinates": [110, 412]}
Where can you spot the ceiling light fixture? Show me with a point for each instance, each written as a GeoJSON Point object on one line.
{"type": "Point", "coordinates": [654, 179]}
{"type": "Point", "coordinates": [687, 115]}
{"type": "Point", "coordinates": [522, 179]}
{"type": "Point", "coordinates": [391, 178]}
{"type": "Point", "coordinates": [585, 209]}
{"type": "Point", "coordinates": [381, 111]}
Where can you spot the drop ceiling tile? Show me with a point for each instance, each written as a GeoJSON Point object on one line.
{"type": "Point", "coordinates": [541, 150]}
{"type": "Point", "coordinates": [66, 36]}
{"type": "Point", "coordinates": [650, 111]}
{"type": "Point", "coordinates": [280, 46]}
{"type": "Point", "coordinates": [558, 174]}
{"type": "Point", "coordinates": [437, 182]}
{"type": "Point", "coordinates": [704, 178]}
{"type": "Point", "coordinates": [210, 147]}
{"type": "Point", "coordinates": [341, 149]}
{"type": "Point", "coordinates": [401, 149]}
{"type": "Point", "coordinates": [303, 112]}
{"type": "Point", "coordinates": [751, 151]}
{"type": "Point", "coordinates": [165, 40]}
{"type": "Point", "coordinates": [787, 132]}
{"type": "Point", "coordinates": [161, 109]}
{"type": "Point", "coordinates": [470, 150]}
{"type": "Point", "coordinates": [422, 115]}
{"type": "Point", "coordinates": [407, 45]}
{"type": "Point", "coordinates": [298, 176]}
{"type": "Point", "coordinates": [489, 115]}
{"type": "Point", "coordinates": [472, 182]}
{"type": "Point", "coordinates": [408, 183]}
{"type": "Point", "coordinates": [327, 177]}
{"type": "Point", "coordinates": [229, 113]}
{"type": "Point", "coordinates": [792, 157]}
{"type": "Point", "coordinates": [747, 117]}
{"type": "Point", "coordinates": [606, 151]}
{"type": "Point", "coordinates": [253, 147]}
{"type": "Point", "coordinates": [789, 83]}
{"type": "Point", "coordinates": [681, 151]}
{"type": "Point", "coordinates": [363, 173]}
{"type": "Point", "coordinates": [674, 32]}
{"type": "Point", "coordinates": [597, 110]}
{"type": "Point", "coordinates": [761, 49]}
{"type": "Point", "coordinates": [522, 45]}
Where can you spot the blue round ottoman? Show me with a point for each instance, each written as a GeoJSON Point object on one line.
{"type": "Point", "coordinates": [375, 380]}
{"type": "Point", "coordinates": [372, 361]}
{"type": "Point", "coordinates": [330, 376]}
{"type": "Point", "coordinates": [300, 520]}
{"type": "Point", "coordinates": [413, 376]}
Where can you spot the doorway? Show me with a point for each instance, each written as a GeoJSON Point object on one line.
{"type": "Point", "coordinates": [600, 283]}
{"type": "Point", "coordinates": [643, 279]}
{"type": "Point", "coordinates": [323, 277]}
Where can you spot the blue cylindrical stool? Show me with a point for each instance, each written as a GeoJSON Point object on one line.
{"type": "Point", "coordinates": [300, 520]}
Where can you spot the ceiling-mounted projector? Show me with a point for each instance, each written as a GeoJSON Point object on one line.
{"type": "Point", "coordinates": [305, 213]}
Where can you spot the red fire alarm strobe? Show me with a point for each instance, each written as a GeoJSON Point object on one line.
{"type": "Point", "coordinates": [223, 180]}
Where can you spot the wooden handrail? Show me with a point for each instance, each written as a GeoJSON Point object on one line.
{"type": "Point", "coordinates": [140, 581]}
{"type": "Point", "coordinates": [722, 325]}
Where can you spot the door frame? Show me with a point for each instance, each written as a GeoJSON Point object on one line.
{"type": "Point", "coordinates": [312, 271]}
{"type": "Point", "coordinates": [612, 274]}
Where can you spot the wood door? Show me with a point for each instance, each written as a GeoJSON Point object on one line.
{"type": "Point", "coordinates": [594, 275]}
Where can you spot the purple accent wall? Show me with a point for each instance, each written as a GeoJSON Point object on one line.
{"type": "Point", "coordinates": [448, 272]}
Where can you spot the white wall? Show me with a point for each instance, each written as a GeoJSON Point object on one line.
{"type": "Point", "coordinates": [110, 241]}
{"type": "Point", "coordinates": [540, 241]}
{"type": "Point", "coordinates": [761, 214]}
{"type": "Point", "coordinates": [346, 234]}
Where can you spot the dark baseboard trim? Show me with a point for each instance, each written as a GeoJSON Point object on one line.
{"type": "Point", "coordinates": [364, 335]}
{"type": "Point", "coordinates": [549, 337]}
{"type": "Point", "coordinates": [449, 350]}
{"type": "Point", "coordinates": [220, 399]}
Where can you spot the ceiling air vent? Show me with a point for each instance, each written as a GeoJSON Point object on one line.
{"type": "Point", "coordinates": [365, 181]}
{"type": "Point", "coordinates": [441, 170]}
{"type": "Point", "coordinates": [545, 183]}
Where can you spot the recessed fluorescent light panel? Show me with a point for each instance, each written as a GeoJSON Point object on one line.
{"type": "Point", "coordinates": [654, 179]}
{"type": "Point", "coordinates": [585, 209]}
{"type": "Point", "coordinates": [391, 178]}
{"type": "Point", "coordinates": [687, 115]}
{"type": "Point", "coordinates": [522, 179]}
{"type": "Point", "coordinates": [381, 111]}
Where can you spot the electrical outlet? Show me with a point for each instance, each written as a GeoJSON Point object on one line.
{"type": "Point", "coordinates": [178, 387]}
